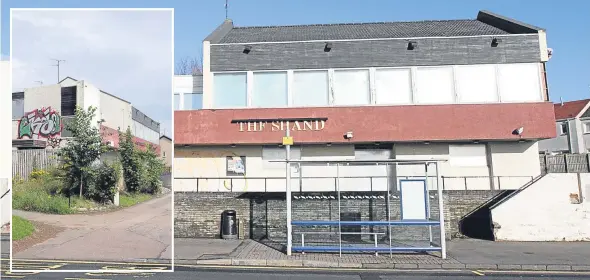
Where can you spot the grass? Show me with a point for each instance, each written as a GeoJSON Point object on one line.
{"type": "Point", "coordinates": [21, 228]}
{"type": "Point", "coordinates": [42, 195]}
{"type": "Point", "coordinates": [128, 199]}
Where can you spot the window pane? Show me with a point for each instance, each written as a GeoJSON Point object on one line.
{"type": "Point", "coordinates": [351, 87]}
{"type": "Point", "coordinates": [230, 90]}
{"type": "Point", "coordinates": [18, 108]}
{"type": "Point", "coordinates": [476, 83]}
{"type": "Point", "coordinates": [193, 101]}
{"type": "Point", "coordinates": [269, 89]}
{"type": "Point", "coordinates": [310, 88]}
{"type": "Point", "coordinates": [434, 85]}
{"type": "Point", "coordinates": [393, 86]}
{"type": "Point", "coordinates": [176, 101]}
{"type": "Point", "coordinates": [519, 82]}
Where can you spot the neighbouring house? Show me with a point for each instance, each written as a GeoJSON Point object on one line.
{"type": "Point", "coordinates": [473, 91]}
{"type": "Point", "coordinates": [39, 115]}
{"type": "Point", "coordinates": [166, 149]}
{"type": "Point", "coordinates": [572, 121]}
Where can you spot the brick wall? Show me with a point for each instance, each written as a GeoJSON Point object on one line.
{"type": "Point", "coordinates": [264, 215]}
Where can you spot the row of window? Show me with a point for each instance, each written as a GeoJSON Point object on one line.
{"type": "Point", "coordinates": [188, 101]}
{"type": "Point", "coordinates": [414, 85]}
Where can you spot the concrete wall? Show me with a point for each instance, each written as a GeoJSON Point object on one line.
{"type": "Point", "coordinates": [203, 169]}
{"type": "Point", "coordinates": [5, 140]}
{"type": "Point", "coordinates": [548, 210]}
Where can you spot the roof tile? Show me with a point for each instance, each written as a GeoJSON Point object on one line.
{"type": "Point", "coordinates": [569, 109]}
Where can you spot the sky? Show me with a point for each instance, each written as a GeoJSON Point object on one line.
{"type": "Point", "coordinates": [566, 23]}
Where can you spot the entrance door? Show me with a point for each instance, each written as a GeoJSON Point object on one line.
{"type": "Point", "coordinates": [413, 199]}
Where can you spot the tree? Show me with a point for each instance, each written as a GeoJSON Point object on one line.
{"type": "Point", "coordinates": [83, 149]}
{"type": "Point", "coordinates": [189, 66]}
{"type": "Point", "coordinates": [152, 168]}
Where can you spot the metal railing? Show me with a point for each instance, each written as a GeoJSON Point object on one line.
{"type": "Point", "coordinates": [236, 184]}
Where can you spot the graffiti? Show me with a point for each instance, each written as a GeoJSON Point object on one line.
{"type": "Point", "coordinates": [40, 123]}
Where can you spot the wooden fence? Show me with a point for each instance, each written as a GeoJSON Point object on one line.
{"type": "Point", "coordinates": [566, 163]}
{"type": "Point", "coordinates": [24, 161]}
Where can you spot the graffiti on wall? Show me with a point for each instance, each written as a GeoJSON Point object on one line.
{"type": "Point", "coordinates": [40, 123]}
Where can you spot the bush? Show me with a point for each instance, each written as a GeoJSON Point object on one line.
{"type": "Point", "coordinates": [151, 172]}
{"type": "Point", "coordinates": [103, 183]}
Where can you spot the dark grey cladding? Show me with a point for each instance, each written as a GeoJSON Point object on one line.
{"type": "Point", "coordinates": [198, 83]}
{"type": "Point", "coordinates": [140, 117]}
{"type": "Point", "coordinates": [376, 53]}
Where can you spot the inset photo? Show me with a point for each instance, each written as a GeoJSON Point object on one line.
{"type": "Point", "coordinates": [91, 137]}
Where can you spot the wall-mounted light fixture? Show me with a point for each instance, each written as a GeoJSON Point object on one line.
{"type": "Point", "coordinates": [496, 41]}
{"type": "Point", "coordinates": [412, 45]}
{"type": "Point", "coordinates": [328, 144]}
{"type": "Point", "coordinates": [233, 145]}
{"type": "Point", "coordinates": [328, 47]}
{"type": "Point", "coordinates": [247, 49]}
{"type": "Point", "coordinates": [426, 143]}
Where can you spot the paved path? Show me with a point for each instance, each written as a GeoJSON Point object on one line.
{"type": "Point", "coordinates": [139, 232]}
{"type": "Point", "coordinates": [462, 254]}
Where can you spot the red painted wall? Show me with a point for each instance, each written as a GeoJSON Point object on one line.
{"type": "Point", "coordinates": [109, 134]}
{"type": "Point", "coordinates": [373, 124]}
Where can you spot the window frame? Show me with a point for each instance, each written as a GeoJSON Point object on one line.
{"type": "Point", "coordinates": [251, 82]}
{"type": "Point", "coordinates": [563, 128]}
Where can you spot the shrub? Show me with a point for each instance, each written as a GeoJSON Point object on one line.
{"type": "Point", "coordinates": [152, 169]}
{"type": "Point", "coordinates": [37, 174]}
{"type": "Point", "coordinates": [103, 184]}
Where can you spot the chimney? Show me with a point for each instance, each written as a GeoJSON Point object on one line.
{"type": "Point", "coordinates": [561, 101]}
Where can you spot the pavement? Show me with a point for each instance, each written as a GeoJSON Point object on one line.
{"type": "Point", "coordinates": [462, 254]}
{"type": "Point", "coordinates": [138, 233]}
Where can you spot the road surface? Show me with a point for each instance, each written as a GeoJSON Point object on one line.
{"type": "Point", "coordinates": [136, 233]}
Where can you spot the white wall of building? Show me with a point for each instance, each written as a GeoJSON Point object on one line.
{"type": "Point", "coordinates": [548, 210]}
{"type": "Point", "coordinates": [5, 140]}
{"type": "Point", "coordinates": [116, 112]}
{"type": "Point", "coordinates": [90, 97]}
{"type": "Point", "coordinates": [43, 96]}
{"type": "Point", "coordinates": [145, 133]}
{"type": "Point", "coordinates": [458, 84]}
{"type": "Point", "coordinates": [469, 166]}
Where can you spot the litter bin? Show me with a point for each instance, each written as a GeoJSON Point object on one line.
{"type": "Point", "coordinates": [229, 228]}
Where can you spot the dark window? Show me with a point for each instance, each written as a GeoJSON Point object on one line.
{"type": "Point", "coordinates": [68, 101]}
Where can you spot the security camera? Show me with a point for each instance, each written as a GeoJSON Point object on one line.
{"type": "Point", "coordinates": [348, 135]}
{"type": "Point", "coordinates": [518, 131]}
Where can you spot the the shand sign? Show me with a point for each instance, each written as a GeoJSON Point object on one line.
{"type": "Point", "coordinates": [292, 124]}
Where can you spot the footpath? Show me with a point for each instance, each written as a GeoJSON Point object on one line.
{"type": "Point", "coordinates": [462, 254]}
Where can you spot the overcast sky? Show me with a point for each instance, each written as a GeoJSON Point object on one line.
{"type": "Point", "coordinates": [127, 53]}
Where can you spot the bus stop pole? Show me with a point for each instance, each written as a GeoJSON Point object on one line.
{"type": "Point", "coordinates": [288, 195]}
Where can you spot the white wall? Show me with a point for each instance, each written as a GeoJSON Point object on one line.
{"type": "Point", "coordinates": [89, 96]}
{"type": "Point", "coordinates": [5, 140]}
{"type": "Point", "coordinates": [145, 133]}
{"type": "Point", "coordinates": [43, 96]}
{"type": "Point", "coordinates": [115, 112]}
{"type": "Point", "coordinates": [545, 212]}
{"type": "Point", "coordinates": [469, 167]}
{"type": "Point", "coordinates": [514, 163]}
